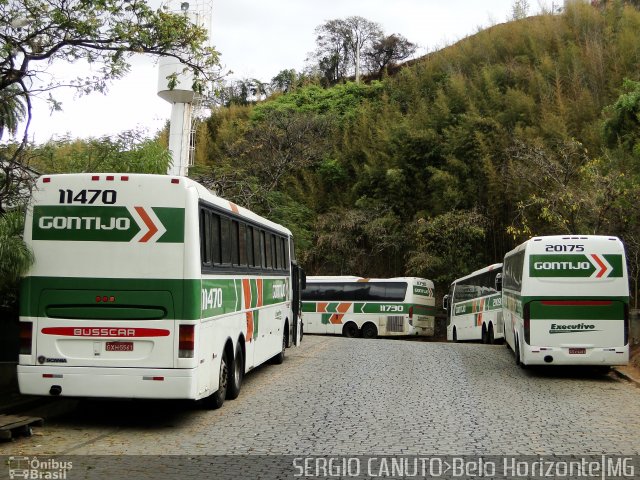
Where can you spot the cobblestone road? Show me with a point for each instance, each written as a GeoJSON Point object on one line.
{"type": "Point", "coordinates": [369, 397]}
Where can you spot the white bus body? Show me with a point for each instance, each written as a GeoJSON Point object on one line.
{"type": "Point", "coordinates": [353, 306]}
{"type": "Point", "coordinates": [566, 301]}
{"type": "Point", "coordinates": [143, 284]}
{"type": "Point", "coordinates": [474, 306]}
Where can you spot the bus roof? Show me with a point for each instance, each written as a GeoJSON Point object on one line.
{"type": "Point", "coordinates": [352, 278]}
{"type": "Point", "coordinates": [592, 239]}
{"type": "Point", "coordinates": [489, 268]}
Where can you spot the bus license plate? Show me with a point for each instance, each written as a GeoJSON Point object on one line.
{"type": "Point", "coordinates": [577, 351]}
{"type": "Point", "coordinates": [119, 346]}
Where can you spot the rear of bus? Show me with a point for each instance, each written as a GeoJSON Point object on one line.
{"type": "Point", "coordinates": [109, 307]}
{"type": "Point", "coordinates": [575, 301]}
{"type": "Point", "coordinates": [422, 308]}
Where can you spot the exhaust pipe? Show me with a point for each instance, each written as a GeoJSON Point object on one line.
{"type": "Point", "coordinates": [55, 390]}
{"type": "Point", "coordinates": [548, 359]}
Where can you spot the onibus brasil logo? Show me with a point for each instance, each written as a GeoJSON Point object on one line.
{"type": "Point", "coordinates": [37, 468]}
{"type": "Point", "coordinates": [593, 265]}
{"type": "Point", "coordinates": [108, 224]}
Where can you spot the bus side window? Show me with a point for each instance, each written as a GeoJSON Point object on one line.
{"type": "Point", "coordinates": [250, 249]}
{"type": "Point", "coordinates": [215, 238]}
{"type": "Point", "coordinates": [235, 243]}
{"type": "Point", "coordinates": [205, 237]}
{"type": "Point", "coordinates": [242, 244]}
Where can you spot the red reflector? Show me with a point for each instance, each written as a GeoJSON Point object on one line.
{"type": "Point", "coordinates": [411, 312]}
{"type": "Point", "coordinates": [110, 178]}
{"type": "Point", "coordinates": [46, 180]}
{"type": "Point", "coordinates": [26, 334]}
{"type": "Point", "coordinates": [125, 178]}
{"type": "Point", "coordinates": [112, 299]}
{"type": "Point", "coordinates": [47, 375]}
{"type": "Point", "coordinates": [105, 299]}
{"type": "Point", "coordinates": [95, 178]}
{"type": "Point", "coordinates": [576, 303]}
{"type": "Point", "coordinates": [98, 299]}
{"type": "Point", "coordinates": [175, 180]}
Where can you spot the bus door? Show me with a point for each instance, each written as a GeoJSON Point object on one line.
{"type": "Point", "coordinates": [298, 279]}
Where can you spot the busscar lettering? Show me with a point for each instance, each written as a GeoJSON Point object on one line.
{"type": "Point", "coordinates": [104, 332]}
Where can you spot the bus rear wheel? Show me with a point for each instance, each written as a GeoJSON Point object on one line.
{"type": "Point", "coordinates": [279, 358]}
{"type": "Point", "coordinates": [369, 330]}
{"type": "Point", "coordinates": [236, 374]}
{"type": "Point", "coordinates": [490, 336]}
{"type": "Point", "coordinates": [350, 330]}
{"type": "Point", "coordinates": [216, 399]}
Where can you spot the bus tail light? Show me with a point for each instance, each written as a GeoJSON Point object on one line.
{"type": "Point", "coordinates": [527, 323]}
{"type": "Point", "coordinates": [26, 337]}
{"type": "Point", "coordinates": [626, 324]}
{"type": "Point", "coordinates": [411, 312]}
{"type": "Point", "coordinates": [186, 341]}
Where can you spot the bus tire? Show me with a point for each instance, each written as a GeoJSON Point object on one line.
{"type": "Point", "coordinates": [369, 330]}
{"type": "Point", "coordinates": [216, 399]}
{"type": "Point", "coordinates": [236, 374]}
{"type": "Point", "coordinates": [490, 336]}
{"type": "Point", "coordinates": [483, 337]}
{"type": "Point", "coordinates": [516, 351]}
{"type": "Point", "coordinates": [454, 335]}
{"type": "Point", "coordinates": [279, 358]}
{"type": "Point", "coordinates": [350, 330]}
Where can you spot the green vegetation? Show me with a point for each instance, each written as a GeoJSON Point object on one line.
{"type": "Point", "coordinates": [530, 127]}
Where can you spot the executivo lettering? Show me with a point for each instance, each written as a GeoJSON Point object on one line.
{"type": "Point", "coordinates": [570, 328]}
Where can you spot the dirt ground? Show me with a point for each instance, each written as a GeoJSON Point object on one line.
{"type": "Point", "coordinates": [633, 369]}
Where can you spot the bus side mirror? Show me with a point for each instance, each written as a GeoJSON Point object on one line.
{"type": "Point", "coordinates": [499, 282]}
{"type": "Point", "coordinates": [445, 302]}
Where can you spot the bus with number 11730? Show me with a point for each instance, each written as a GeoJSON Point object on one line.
{"type": "Point", "coordinates": [368, 307]}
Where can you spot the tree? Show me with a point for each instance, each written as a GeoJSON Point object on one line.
{"type": "Point", "coordinates": [15, 257]}
{"type": "Point", "coordinates": [387, 51]}
{"type": "Point", "coordinates": [284, 81]}
{"type": "Point", "coordinates": [128, 152]}
{"type": "Point", "coordinates": [341, 45]}
{"type": "Point", "coordinates": [520, 9]}
{"type": "Point", "coordinates": [105, 34]}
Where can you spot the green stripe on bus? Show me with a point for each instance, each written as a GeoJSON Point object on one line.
{"type": "Point", "coordinates": [186, 300]}
{"type": "Point", "coordinates": [94, 223]}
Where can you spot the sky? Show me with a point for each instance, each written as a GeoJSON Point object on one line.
{"type": "Point", "coordinates": [258, 39]}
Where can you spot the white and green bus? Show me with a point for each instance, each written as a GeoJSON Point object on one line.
{"type": "Point", "coordinates": [474, 306]}
{"type": "Point", "coordinates": [566, 301]}
{"type": "Point", "coordinates": [368, 307]}
{"type": "Point", "coordinates": [151, 286]}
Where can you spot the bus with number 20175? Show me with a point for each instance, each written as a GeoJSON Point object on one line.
{"type": "Point", "coordinates": [566, 301]}
{"type": "Point", "coordinates": [151, 286]}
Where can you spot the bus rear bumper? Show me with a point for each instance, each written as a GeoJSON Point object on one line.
{"type": "Point", "coordinates": [107, 382]}
{"type": "Point", "coordinates": [576, 356]}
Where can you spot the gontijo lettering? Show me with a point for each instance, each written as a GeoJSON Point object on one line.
{"type": "Point", "coordinates": [84, 223]}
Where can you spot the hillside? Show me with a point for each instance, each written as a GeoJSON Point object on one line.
{"type": "Point", "coordinates": [442, 168]}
